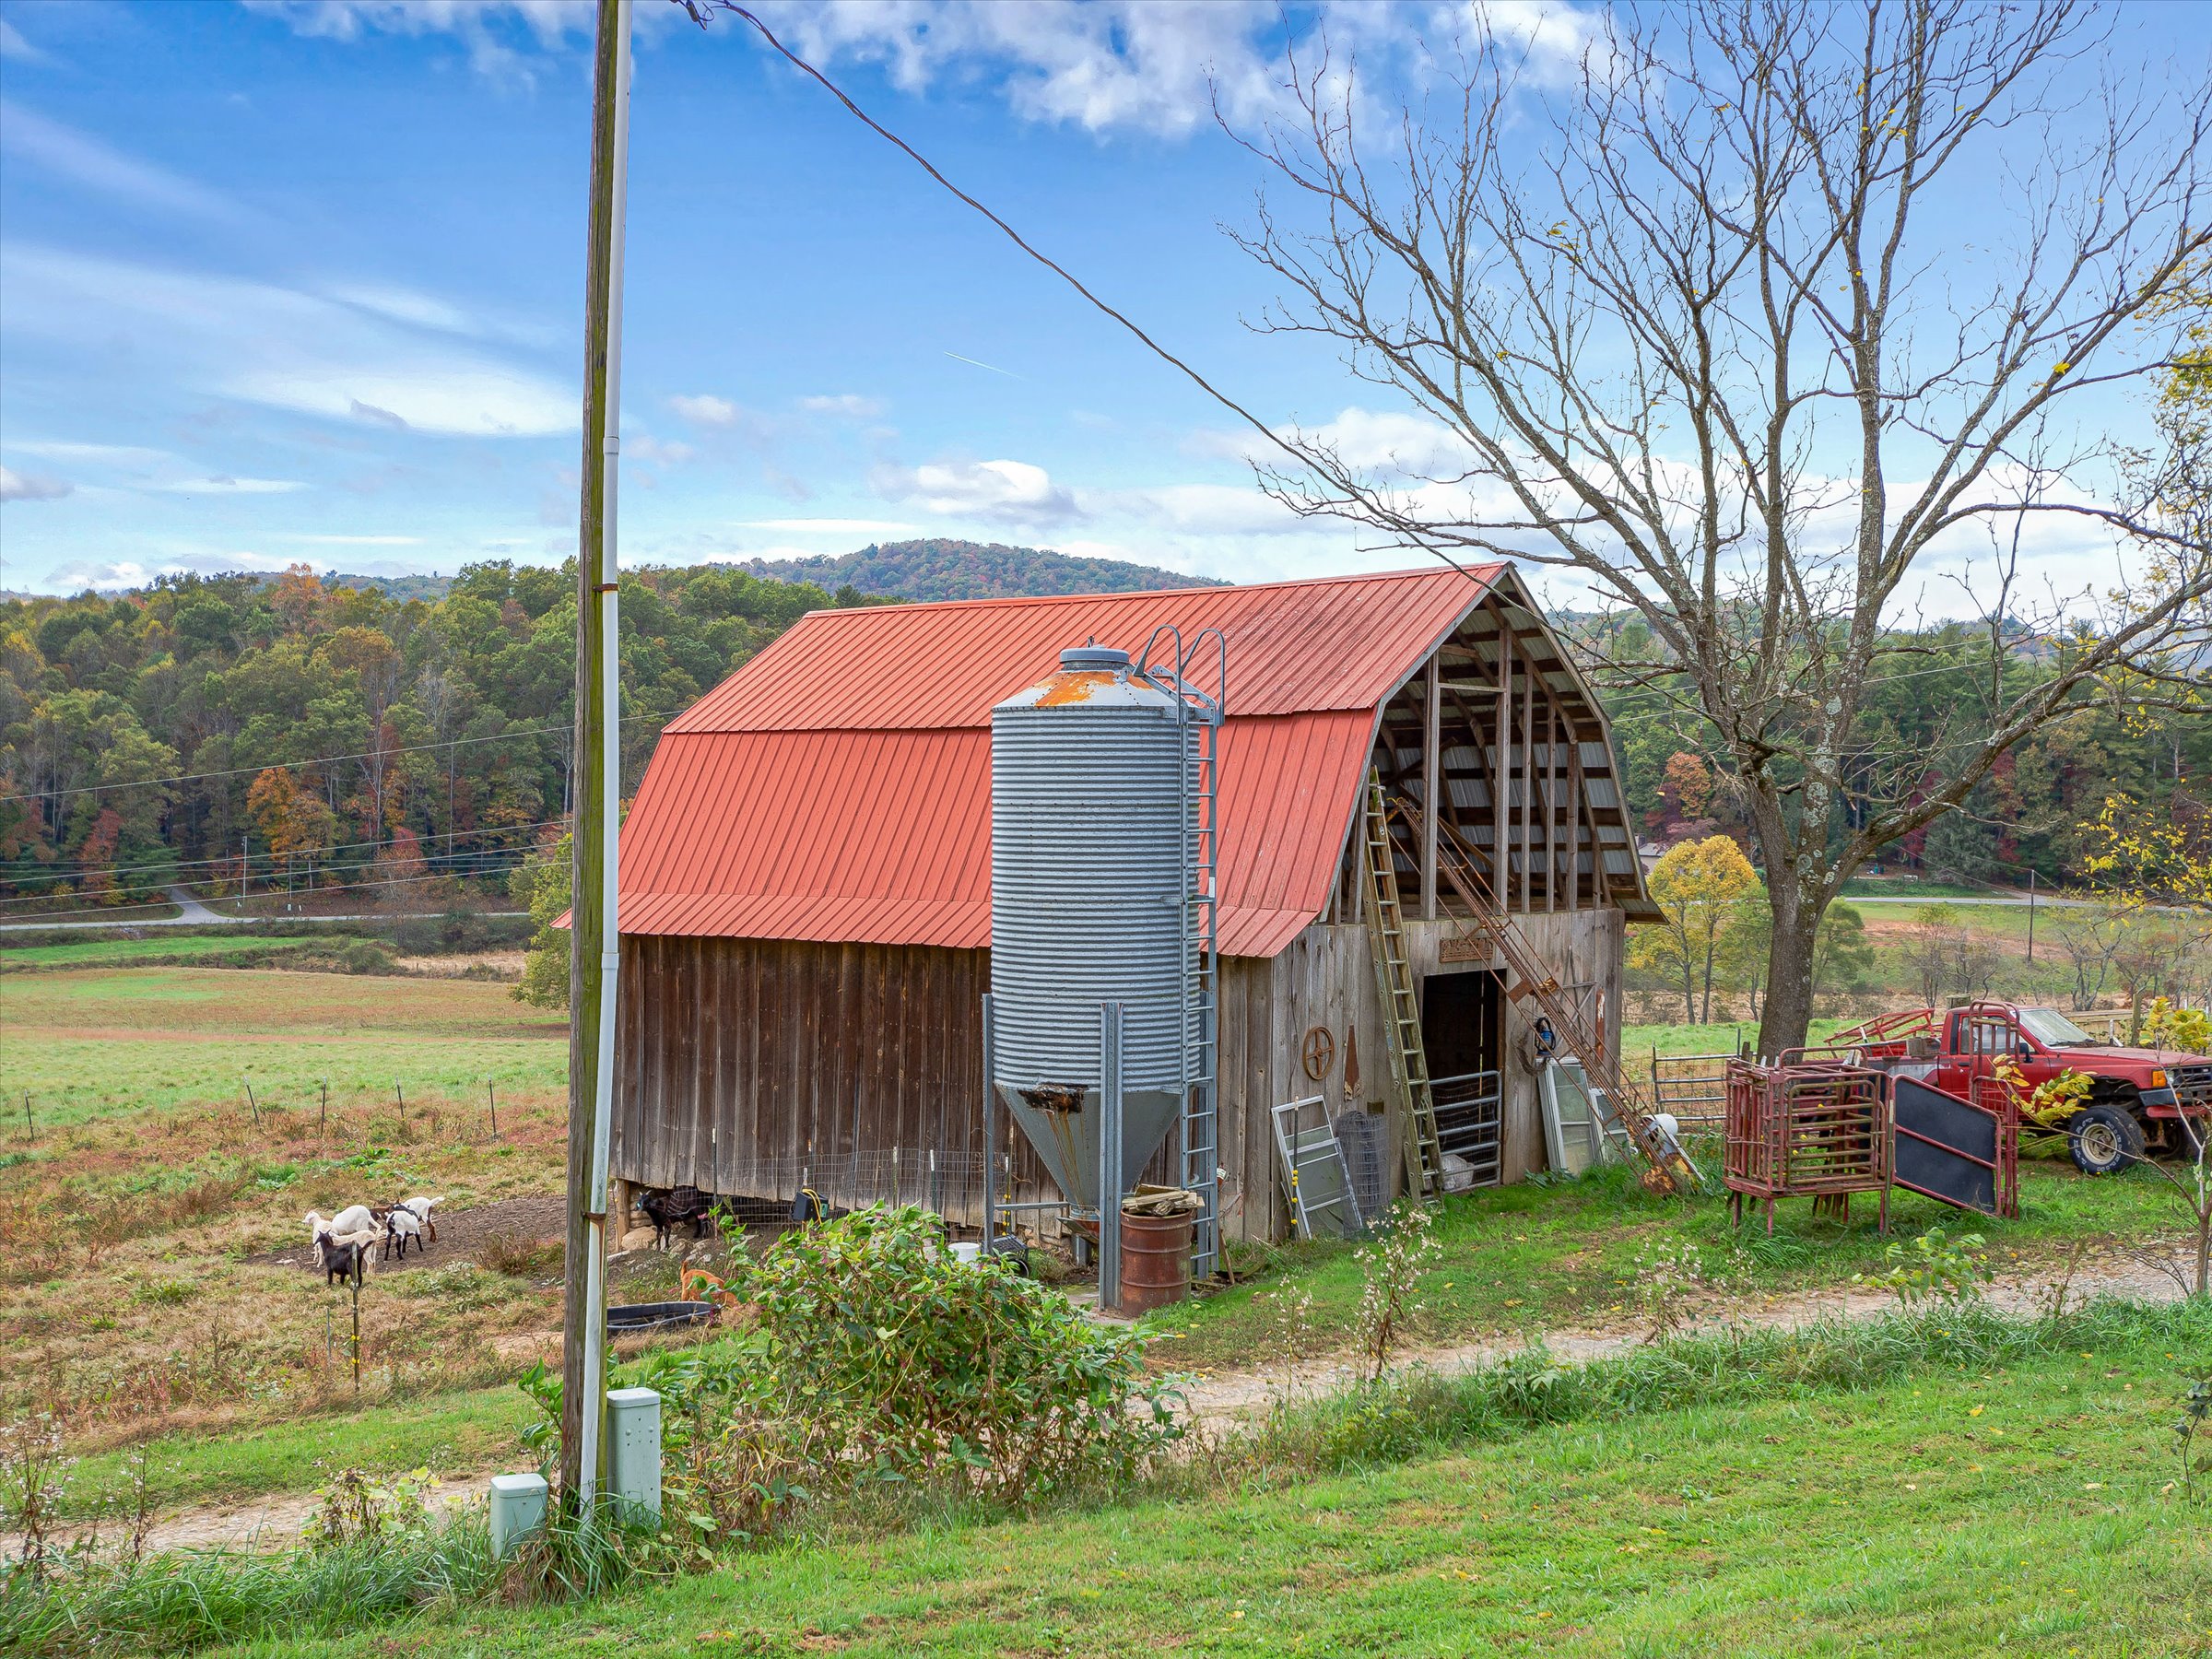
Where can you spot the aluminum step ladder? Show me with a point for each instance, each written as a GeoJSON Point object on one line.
{"type": "Point", "coordinates": [1401, 1009]}
{"type": "Point", "coordinates": [1198, 716]}
{"type": "Point", "coordinates": [1670, 1172]}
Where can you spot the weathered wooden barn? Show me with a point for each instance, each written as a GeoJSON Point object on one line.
{"type": "Point", "coordinates": [806, 879]}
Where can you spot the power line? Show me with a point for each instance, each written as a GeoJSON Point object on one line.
{"type": "Point", "coordinates": [73, 867]}
{"type": "Point", "coordinates": [478, 867]}
{"type": "Point", "coordinates": [698, 10]}
{"type": "Point", "coordinates": [240, 772]}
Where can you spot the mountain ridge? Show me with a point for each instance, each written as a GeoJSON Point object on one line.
{"type": "Point", "coordinates": [937, 568]}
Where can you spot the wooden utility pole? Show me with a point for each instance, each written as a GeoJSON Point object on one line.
{"type": "Point", "coordinates": [594, 931]}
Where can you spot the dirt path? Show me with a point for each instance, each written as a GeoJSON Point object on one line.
{"type": "Point", "coordinates": [462, 1235]}
{"type": "Point", "coordinates": [1227, 1397]}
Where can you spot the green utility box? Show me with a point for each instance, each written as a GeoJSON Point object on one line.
{"type": "Point", "coordinates": [633, 1452]}
{"type": "Point", "coordinates": [518, 1508]}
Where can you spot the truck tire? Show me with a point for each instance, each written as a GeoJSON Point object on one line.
{"type": "Point", "coordinates": [2104, 1138]}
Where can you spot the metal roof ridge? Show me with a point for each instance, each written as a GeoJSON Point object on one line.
{"type": "Point", "coordinates": [906, 607]}
{"type": "Point", "coordinates": [983, 725]}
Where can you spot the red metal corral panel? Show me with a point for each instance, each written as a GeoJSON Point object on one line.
{"type": "Point", "coordinates": [885, 837]}
{"type": "Point", "coordinates": [1294, 647]}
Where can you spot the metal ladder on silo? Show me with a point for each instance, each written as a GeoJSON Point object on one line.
{"type": "Point", "coordinates": [1198, 1143]}
{"type": "Point", "coordinates": [1401, 1007]}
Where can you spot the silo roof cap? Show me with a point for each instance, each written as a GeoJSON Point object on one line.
{"type": "Point", "coordinates": [1078, 658]}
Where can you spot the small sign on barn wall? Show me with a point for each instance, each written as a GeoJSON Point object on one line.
{"type": "Point", "coordinates": [1464, 947]}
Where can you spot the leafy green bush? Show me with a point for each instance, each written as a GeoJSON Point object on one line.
{"type": "Point", "coordinates": [1934, 1269]}
{"type": "Point", "coordinates": [898, 1358]}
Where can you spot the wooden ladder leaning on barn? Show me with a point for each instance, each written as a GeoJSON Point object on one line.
{"type": "Point", "coordinates": [1401, 1009]}
{"type": "Point", "coordinates": [1669, 1171]}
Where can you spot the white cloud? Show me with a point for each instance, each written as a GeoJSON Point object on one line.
{"type": "Point", "coordinates": [104, 577]}
{"type": "Point", "coordinates": [831, 526]}
{"type": "Point", "coordinates": [281, 347]}
{"type": "Point", "coordinates": [705, 408]}
{"type": "Point", "coordinates": [1150, 65]}
{"type": "Point", "coordinates": [845, 403]}
{"type": "Point", "coordinates": [13, 46]}
{"type": "Point", "coordinates": [101, 454]}
{"type": "Point", "coordinates": [225, 485]}
{"type": "Point", "coordinates": [1208, 508]}
{"type": "Point", "coordinates": [86, 161]}
{"type": "Point", "coordinates": [484, 28]}
{"type": "Point", "coordinates": [405, 305]}
{"type": "Point", "coordinates": [646, 447]}
{"type": "Point", "coordinates": [31, 487]}
{"type": "Point", "coordinates": [1011, 493]}
{"type": "Point", "coordinates": [358, 541]}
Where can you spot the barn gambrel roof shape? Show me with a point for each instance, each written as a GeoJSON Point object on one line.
{"type": "Point", "coordinates": [837, 787]}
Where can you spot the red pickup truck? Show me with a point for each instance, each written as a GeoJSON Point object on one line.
{"type": "Point", "coordinates": [2139, 1097]}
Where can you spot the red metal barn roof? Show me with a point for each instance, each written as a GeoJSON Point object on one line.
{"type": "Point", "coordinates": [837, 786]}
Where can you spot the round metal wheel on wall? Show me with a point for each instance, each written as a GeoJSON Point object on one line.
{"type": "Point", "coordinates": [2105, 1139]}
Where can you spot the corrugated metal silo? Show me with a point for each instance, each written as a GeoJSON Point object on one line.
{"type": "Point", "coordinates": [1093, 774]}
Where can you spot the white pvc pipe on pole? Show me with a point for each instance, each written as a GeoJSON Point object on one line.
{"type": "Point", "coordinates": [610, 798]}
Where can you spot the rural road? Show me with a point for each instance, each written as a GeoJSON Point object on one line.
{"type": "Point", "coordinates": [192, 913]}
{"type": "Point", "coordinates": [1224, 1399]}
{"type": "Point", "coordinates": [189, 910]}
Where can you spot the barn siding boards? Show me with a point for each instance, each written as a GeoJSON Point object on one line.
{"type": "Point", "coordinates": [742, 1053]}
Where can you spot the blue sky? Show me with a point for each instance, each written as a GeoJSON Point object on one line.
{"type": "Point", "coordinates": [298, 281]}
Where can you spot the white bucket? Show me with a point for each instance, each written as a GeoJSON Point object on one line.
{"type": "Point", "coordinates": [970, 1253]}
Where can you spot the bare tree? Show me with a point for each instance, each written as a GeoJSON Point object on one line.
{"type": "Point", "coordinates": [2089, 934]}
{"type": "Point", "coordinates": [1699, 330]}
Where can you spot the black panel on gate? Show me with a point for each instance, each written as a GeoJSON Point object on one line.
{"type": "Point", "coordinates": [1946, 1149]}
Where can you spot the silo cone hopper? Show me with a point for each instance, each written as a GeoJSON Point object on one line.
{"type": "Point", "coordinates": [1062, 1122]}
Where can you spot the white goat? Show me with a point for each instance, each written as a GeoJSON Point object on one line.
{"type": "Point", "coordinates": [353, 1219]}
{"type": "Point", "coordinates": [420, 1207]}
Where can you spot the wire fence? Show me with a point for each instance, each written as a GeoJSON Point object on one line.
{"type": "Point", "coordinates": [1694, 1088]}
{"type": "Point", "coordinates": [952, 1185]}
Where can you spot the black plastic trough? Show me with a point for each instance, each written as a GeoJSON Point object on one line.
{"type": "Point", "coordinates": [657, 1316]}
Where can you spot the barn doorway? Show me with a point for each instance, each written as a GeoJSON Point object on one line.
{"type": "Point", "coordinates": [1463, 1029]}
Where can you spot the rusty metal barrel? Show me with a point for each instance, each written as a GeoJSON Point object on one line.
{"type": "Point", "coordinates": [1155, 1262]}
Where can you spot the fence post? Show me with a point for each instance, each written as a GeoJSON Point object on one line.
{"type": "Point", "coordinates": [322, 1112]}
{"type": "Point", "coordinates": [491, 1094]}
{"type": "Point", "coordinates": [401, 1093]}
{"type": "Point", "coordinates": [30, 1127]}
{"type": "Point", "coordinates": [251, 1102]}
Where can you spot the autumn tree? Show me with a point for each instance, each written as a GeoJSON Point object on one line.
{"type": "Point", "coordinates": [1685, 791]}
{"type": "Point", "coordinates": [1695, 323]}
{"type": "Point", "coordinates": [295, 822]}
{"type": "Point", "coordinates": [297, 599]}
{"type": "Point", "coordinates": [1701, 888]}
{"type": "Point", "coordinates": [543, 884]}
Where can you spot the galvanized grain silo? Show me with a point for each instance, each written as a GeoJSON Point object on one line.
{"type": "Point", "coordinates": [1096, 778]}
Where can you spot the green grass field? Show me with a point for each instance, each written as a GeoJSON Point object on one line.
{"type": "Point", "coordinates": [2031, 1509]}
{"type": "Point", "coordinates": [1527, 1257]}
{"type": "Point", "coordinates": [179, 945]}
{"type": "Point", "coordinates": [90, 1043]}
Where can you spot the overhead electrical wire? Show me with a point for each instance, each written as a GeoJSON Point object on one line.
{"type": "Point", "coordinates": [240, 772]}
{"type": "Point", "coordinates": [699, 10]}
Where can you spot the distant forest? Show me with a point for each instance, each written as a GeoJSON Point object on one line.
{"type": "Point", "coordinates": [372, 732]}
{"type": "Point", "coordinates": [373, 735]}
{"type": "Point", "coordinates": [965, 570]}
